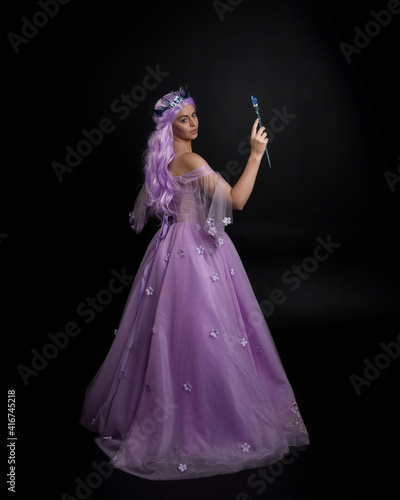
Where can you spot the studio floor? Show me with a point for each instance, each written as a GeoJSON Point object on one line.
{"type": "Point", "coordinates": [353, 453]}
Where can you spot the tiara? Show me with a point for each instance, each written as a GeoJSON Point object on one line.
{"type": "Point", "coordinates": [179, 97]}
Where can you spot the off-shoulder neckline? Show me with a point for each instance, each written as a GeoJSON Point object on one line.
{"type": "Point", "coordinates": [190, 172]}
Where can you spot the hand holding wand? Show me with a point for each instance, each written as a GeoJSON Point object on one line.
{"type": "Point", "coordinates": [257, 110]}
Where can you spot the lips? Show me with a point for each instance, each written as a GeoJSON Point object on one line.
{"type": "Point", "coordinates": [194, 131]}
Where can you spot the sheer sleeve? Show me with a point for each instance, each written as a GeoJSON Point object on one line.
{"type": "Point", "coordinates": [201, 195]}
{"type": "Point", "coordinates": [138, 216]}
{"type": "Point", "coordinates": [216, 200]}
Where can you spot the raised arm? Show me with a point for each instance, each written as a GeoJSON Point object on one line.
{"type": "Point", "coordinates": [242, 190]}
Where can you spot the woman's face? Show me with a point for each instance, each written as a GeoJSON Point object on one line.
{"type": "Point", "coordinates": [186, 124]}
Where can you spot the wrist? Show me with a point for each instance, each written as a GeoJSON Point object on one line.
{"type": "Point", "coordinates": [255, 157]}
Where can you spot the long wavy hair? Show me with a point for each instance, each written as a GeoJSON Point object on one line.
{"type": "Point", "coordinates": [156, 194]}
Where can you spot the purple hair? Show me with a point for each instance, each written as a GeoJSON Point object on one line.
{"type": "Point", "coordinates": [156, 195]}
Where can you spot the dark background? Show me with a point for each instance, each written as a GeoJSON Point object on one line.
{"type": "Point", "coordinates": [60, 241]}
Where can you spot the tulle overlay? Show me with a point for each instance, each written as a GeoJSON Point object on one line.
{"type": "Point", "coordinates": [192, 385]}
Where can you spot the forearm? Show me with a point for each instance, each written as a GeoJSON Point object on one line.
{"type": "Point", "coordinates": [242, 190]}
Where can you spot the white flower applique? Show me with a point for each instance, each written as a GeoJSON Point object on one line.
{"type": "Point", "coordinates": [212, 228]}
{"type": "Point", "coordinates": [243, 342]}
{"type": "Point", "coordinates": [187, 387]}
{"type": "Point", "coordinates": [214, 334]}
{"type": "Point", "coordinates": [149, 290]}
{"type": "Point", "coordinates": [214, 277]}
{"type": "Point", "coordinates": [245, 447]}
{"type": "Point", "coordinates": [226, 221]}
{"type": "Point", "coordinates": [200, 249]}
{"type": "Point", "coordinates": [182, 467]}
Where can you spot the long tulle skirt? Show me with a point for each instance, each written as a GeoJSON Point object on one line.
{"type": "Point", "coordinates": [192, 385]}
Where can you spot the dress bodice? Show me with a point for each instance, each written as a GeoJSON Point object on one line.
{"type": "Point", "coordinates": [189, 196]}
{"type": "Point", "coordinates": [201, 196]}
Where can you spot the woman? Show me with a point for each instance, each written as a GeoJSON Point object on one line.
{"type": "Point", "coordinates": [192, 385]}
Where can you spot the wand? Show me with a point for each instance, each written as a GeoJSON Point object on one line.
{"type": "Point", "coordinates": [257, 110]}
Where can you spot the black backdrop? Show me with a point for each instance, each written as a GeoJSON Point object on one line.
{"type": "Point", "coordinates": [334, 178]}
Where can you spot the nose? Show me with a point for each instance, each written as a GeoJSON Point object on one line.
{"type": "Point", "coordinates": [192, 121]}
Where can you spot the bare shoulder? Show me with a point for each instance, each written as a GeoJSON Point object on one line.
{"type": "Point", "coordinates": [192, 161]}
{"type": "Point", "coordinates": [185, 163]}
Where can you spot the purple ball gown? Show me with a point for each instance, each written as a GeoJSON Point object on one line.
{"type": "Point", "coordinates": [192, 385]}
